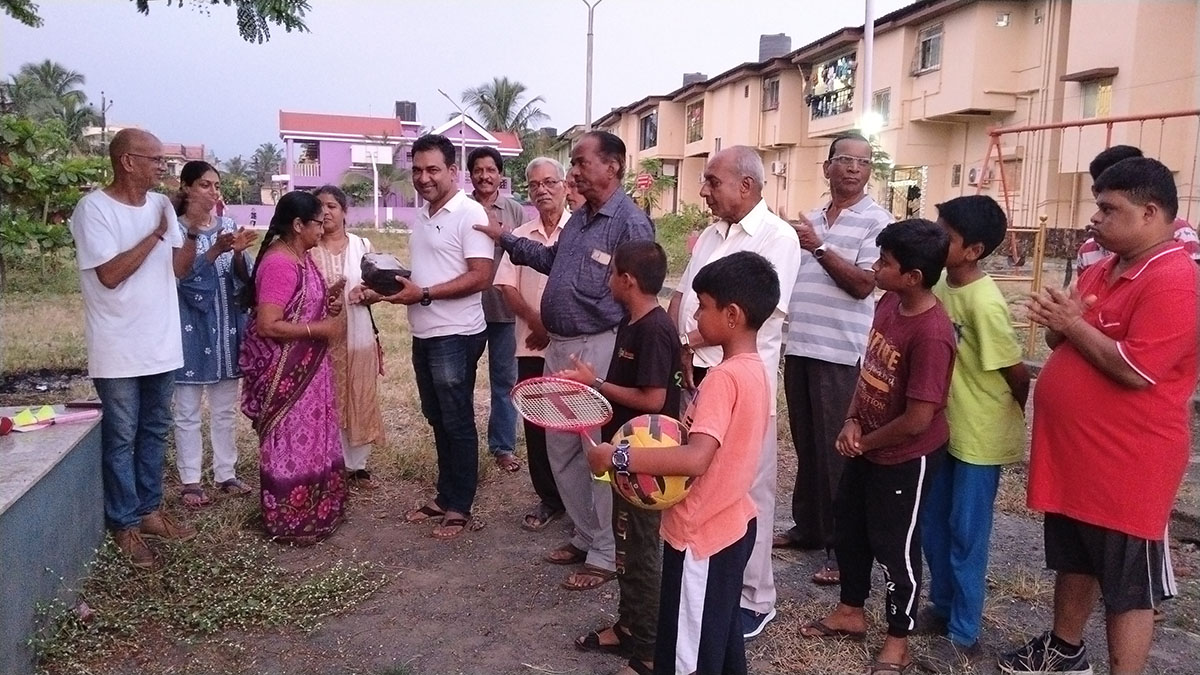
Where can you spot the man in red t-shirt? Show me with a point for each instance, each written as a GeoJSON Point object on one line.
{"type": "Point", "coordinates": [1110, 424]}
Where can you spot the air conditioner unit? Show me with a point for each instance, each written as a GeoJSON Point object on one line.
{"type": "Point", "coordinates": [779, 168]}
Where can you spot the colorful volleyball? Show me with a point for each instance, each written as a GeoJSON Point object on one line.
{"type": "Point", "coordinates": [642, 489]}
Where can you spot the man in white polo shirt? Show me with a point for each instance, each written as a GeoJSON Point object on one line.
{"type": "Point", "coordinates": [451, 265]}
{"type": "Point", "coordinates": [732, 188]}
{"type": "Point", "coordinates": [828, 321]}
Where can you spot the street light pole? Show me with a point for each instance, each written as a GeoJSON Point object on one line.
{"type": "Point", "coordinates": [462, 134]}
{"type": "Point", "coordinates": [105, 104]}
{"type": "Point", "coordinates": [587, 113]}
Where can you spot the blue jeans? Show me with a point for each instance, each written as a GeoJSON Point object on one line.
{"type": "Point", "coordinates": [502, 374]}
{"type": "Point", "coordinates": [956, 526]}
{"type": "Point", "coordinates": [445, 372]}
{"type": "Point", "coordinates": [133, 439]}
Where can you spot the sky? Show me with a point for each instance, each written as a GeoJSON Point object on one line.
{"type": "Point", "coordinates": [187, 76]}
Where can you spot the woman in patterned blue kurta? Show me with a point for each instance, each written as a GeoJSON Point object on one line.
{"type": "Point", "coordinates": [213, 324]}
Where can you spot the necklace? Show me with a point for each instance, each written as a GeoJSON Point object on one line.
{"type": "Point", "coordinates": [299, 257]}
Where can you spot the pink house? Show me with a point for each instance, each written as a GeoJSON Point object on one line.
{"type": "Point", "coordinates": [320, 149]}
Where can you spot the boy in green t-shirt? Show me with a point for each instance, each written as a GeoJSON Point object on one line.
{"type": "Point", "coordinates": [987, 429]}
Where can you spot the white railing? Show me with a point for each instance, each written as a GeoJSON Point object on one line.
{"type": "Point", "coordinates": [308, 169]}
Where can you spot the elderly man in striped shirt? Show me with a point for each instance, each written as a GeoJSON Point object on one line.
{"type": "Point", "coordinates": [828, 320]}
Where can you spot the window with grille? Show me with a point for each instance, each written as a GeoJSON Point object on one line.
{"type": "Point", "coordinates": [771, 94]}
{"type": "Point", "coordinates": [648, 133]}
{"type": "Point", "coordinates": [929, 49]}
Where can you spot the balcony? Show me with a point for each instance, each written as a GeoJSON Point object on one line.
{"type": "Point", "coordinates": [308, 169]}
{"type": "Point", "coordinates": [831, 103]}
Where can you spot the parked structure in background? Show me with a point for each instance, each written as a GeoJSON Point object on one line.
{"type": "Point", "coordinates": [321, 149]}
{"type": "Point", "coordinates": [945, 72]}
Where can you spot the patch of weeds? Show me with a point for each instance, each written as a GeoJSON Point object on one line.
{"type": "Point", "coordinates": [211, 585]}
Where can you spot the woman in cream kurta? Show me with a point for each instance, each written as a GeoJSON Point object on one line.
{"type": "Point", "coordinates": [356, 361]}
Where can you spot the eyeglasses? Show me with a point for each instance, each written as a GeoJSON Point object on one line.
{"type": "Point", "coordinates": [849, 161]}
{"type": "Point", "coordinates": [549, 184]}
{"type": "Point", "coordinates": [157, 159]}
{"type": "Point", "coordinates": [319, 221]}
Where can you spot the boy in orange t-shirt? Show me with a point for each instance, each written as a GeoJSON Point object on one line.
{"type": "Point", "coordinates": [709, 535]}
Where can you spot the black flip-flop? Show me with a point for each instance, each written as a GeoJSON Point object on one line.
{"type": "Point", "coordinates": [591, 643]}
{"type": "Point", "coordinates": [542, 515]}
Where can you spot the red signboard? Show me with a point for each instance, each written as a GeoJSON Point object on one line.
{"type": "Point", "coordinates": [644, 181]}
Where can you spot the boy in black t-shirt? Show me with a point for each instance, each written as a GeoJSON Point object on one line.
{"type": "Point", "coordinates": [644, 377]}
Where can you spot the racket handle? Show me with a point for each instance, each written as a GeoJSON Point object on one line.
{"type": "Point", "coordinates": [587, 437]}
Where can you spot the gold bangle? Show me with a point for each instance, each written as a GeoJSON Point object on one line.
{"type": "Point", "coordinates": [309, 329]}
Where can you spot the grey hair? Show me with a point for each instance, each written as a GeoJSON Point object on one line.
{"type": "Point", "coordinates": [546, 161]}
{"type": "Point", "coordinates": [747, 162]}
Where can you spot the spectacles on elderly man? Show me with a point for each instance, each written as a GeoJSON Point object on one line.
{"type": "Point", "coordinates": [849, 161]}
{"type": "Point", "coordinates": [156, 159]}
{"type": "Point", "coordinates": [549, 184]}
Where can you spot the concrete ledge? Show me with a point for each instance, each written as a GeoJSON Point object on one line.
{"type": "Point", "coordinates": [51, 523]}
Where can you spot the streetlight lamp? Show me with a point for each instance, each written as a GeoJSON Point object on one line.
{"type": "Point", "coordinates": [587, 113]}
{"type": "Point", "coordinates": [462, 137]}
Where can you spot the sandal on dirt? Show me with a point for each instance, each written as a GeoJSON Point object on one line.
{"type": "Point", "coordinates": [638, 667]}
{"type": "Point", "coordinates": [426, 512]}
{"type": "Point", "coordinates": [235, 487]}
{"type": "Point", "coordinates": [508, 462]}
{"type": "Point", "coordinates": [193, 496]}
{"type": "Point", "coordinates": [567, 554]}
{"type": "Point", "coordinates": [591, 642]}
{"type": "Point", "coordinates": [452, 527]}
{"type": "Point", "coordinates": [821, 630]}
{"type": "Point", "coordinates": [885, 668]}
{"type": "Point", "coordinates": [588, 578]}
{"type": "Point", "coordinates": [540, 517]}
{"type": "Point", "coordinates": [827, 576]}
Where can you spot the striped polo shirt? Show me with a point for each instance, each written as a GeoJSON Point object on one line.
{"type": "Point", "coordinates": [825, 322]}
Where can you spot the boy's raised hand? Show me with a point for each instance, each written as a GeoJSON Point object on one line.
{"type": "Point", "coordinates": [581, 372]}
{"type": "Point", "coordinates": [600, 458]}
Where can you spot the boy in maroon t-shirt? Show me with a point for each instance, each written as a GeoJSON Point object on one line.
{"type": "Point", "coordinates": [894, 437]}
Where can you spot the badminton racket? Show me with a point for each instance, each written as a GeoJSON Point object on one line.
{"type": "Point", "coordinates": [561, 404]}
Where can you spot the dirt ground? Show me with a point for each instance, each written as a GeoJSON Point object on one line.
{"type": "Point", "coordinates": [486, 603]}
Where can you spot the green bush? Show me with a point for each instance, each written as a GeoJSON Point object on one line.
{"type": "Point", "coordinates": [673, 230]}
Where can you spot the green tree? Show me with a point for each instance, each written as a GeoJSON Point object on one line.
{"type": "Point", "coordinates": [265, 162]}
{"type": "Point", "coordinates": [501, 106]}
{"type": "Point", "coordinates": [254, 17]}
{"type": "Point", "coordinates": [235, 179]}
{"type": "Point", "coordinates": [393, 181]}
{"type": "Point", "coordinates": [648, 199]}
{"type": "Point", "coordinates": [41, 180]}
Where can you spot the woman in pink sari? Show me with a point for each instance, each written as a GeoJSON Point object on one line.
{"type": "Point", "coordinates": [288, 391]}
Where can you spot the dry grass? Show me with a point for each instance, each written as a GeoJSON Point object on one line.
{"type": "Point", "coordinates": [42, 331]}
{"type": "Point", "coordinates": [1010, 498]}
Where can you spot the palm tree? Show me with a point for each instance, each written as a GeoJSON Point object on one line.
{"type": "Point", "coordinates": [236, 179]}
{"type": "Point", "coordinates": [393, 181]}
{"type": "Point", "coordinates": [265, 162]}
{"type": "Point", "coordinates": [500, 106]}
{"type": "Point", "coordinates": [76, 118]}
{"type": "Point", "coordinates": [54, 83]}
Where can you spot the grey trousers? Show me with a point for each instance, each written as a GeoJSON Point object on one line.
{"type": "Point", "coordinates": [588, 501]}
{"type": "Point", "coordinates": [758, 581]}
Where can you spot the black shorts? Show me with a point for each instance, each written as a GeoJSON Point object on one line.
{"type": "Point", "coordinates": [1134, 573]}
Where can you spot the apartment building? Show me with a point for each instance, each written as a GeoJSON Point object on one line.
{"type": "Point", "coordinates": [945, 73]}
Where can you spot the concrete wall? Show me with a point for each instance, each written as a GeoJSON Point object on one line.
{"type": "Point", "coordinates": [51, 523]}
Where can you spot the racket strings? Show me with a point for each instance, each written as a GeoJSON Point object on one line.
{"type": "Point", "coordinates": [558, 404]}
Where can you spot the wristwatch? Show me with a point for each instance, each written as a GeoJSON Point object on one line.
{"type": "Point", "coordinates": [819, 252]}
{"type": "Point", "coordinates": [597, 383]}
{"type": "Point", "coordinates": [620, 457]}
{"type": "Point", "coordinates": [426, 299]}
